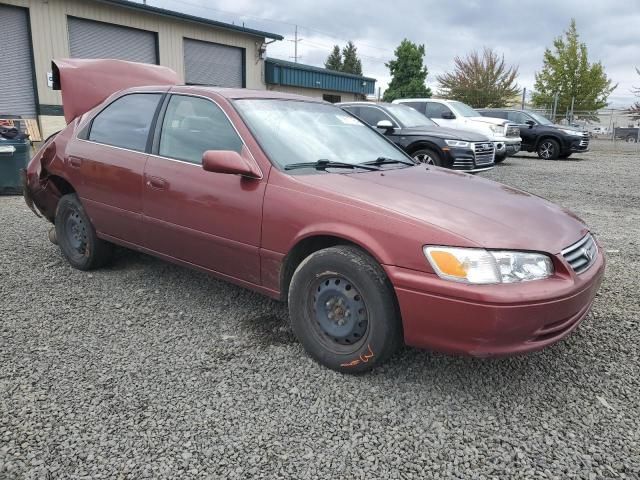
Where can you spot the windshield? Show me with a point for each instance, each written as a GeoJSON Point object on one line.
{"type": "Point", "coordinates": [465, 110]}
{"type": "Point", "coordinates": [291, 132]}
{"type": "Point", "coordinates": [540, 119]}
{"type": "Point", "coordinates": [409, 117]}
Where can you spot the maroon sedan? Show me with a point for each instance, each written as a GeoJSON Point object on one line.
{"type": "Point", "coordinates": [297, 199]}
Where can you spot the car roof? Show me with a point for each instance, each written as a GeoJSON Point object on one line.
{"type": "Point", "coordinates": [236, 93]}
{"type": "Point", "coordinates": [370, 104]}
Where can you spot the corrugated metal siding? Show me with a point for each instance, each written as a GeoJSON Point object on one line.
{"type": "Point", "coordinates": [89, 39]}
{"type": "Point", "coordinates": [207, 63]}
{"type": "Point", "coordinates": [299, 77]}
{"type": "Point", "coordinates": [16, 78]}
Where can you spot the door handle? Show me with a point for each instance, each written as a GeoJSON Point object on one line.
{"type": "Point", "coordinates": [157, 183]}
{"type": "Point", "coordinates": [75, 162]}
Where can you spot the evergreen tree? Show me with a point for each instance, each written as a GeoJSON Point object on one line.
{"type": "Point", "coordinates": [334, 60]}
{"type": "Point", "coordinates": [351, 63]}
{"type": "Point", "coordinates": [408, 73]}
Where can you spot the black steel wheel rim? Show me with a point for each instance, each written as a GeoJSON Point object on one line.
{"type": "Point", "coordinates": [75, 230]}
{"type": "Point", "coordinates": [339, 313]}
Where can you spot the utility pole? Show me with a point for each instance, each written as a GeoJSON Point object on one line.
{"type": "Point", "coordinates": [555, 107]}
{"type": "Point", "coordinates": [295, 45]}
{"type": "Point", "coordinates": [572, 101]}
{"type": "Point", "coordinates": [524, 97]}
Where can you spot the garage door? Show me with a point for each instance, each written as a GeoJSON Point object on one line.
{"type": "Point", "coordinates": [16, 75]}
{"type": "Point", "coordinates": [213, 64]}
{"type": "Point", "coordinates": [89, 39]}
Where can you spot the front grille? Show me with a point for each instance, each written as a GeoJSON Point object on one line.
{"type": "Point", "coordinates": [582, 254]}
{"type": "Point", "coordinates": [513, 131]}
{"type": "Point", "coordinates": [484, 153]}
{"type": "Point", "coordinates": [584, 141]}
{"type": "Point", "coordinates": [463, 164]}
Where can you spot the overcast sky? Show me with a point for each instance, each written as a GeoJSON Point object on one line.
{"type": "Point", "coordinates": [518, 29]}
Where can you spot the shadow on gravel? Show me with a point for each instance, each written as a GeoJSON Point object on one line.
{"type": "Point", "coordinates": [270, 330]}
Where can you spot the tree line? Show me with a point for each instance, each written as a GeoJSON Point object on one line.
{"type": "Point", "coordinates": [483, 78]}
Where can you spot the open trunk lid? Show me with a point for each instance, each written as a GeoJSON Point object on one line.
{"type": "Point", "coordinates": [85, 83]}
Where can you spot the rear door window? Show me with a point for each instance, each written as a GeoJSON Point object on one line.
{"type": "Point", "coordinates": [126, 122]}
{"type": "Point", "coordinates": [193, 125]}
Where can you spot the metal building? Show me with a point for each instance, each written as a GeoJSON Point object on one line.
{"type": "Point", "coordinates": [200, 50]}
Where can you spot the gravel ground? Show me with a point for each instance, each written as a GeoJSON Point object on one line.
{"type": "Point", "coordinates": [148, 370]}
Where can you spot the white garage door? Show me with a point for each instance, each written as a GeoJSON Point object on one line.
{"type": "Point", "coordinates": [16, 75]}
{"type": "Point", "coordinates": [89, 39]}
{"type": "Point", "coordinates": [208, 63]}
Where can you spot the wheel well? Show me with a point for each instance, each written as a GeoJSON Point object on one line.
{"type": "Point", "coordinates": [414, 147]}
{"type": "Point", "coordinates": [302, 250]}
{"type": "Point", "coordinates": [548, 137]}
{"type": "Point", "coordinates": [63, 186]}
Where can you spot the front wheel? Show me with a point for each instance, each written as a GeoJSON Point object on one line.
{"type": "Point", "coordinates": [427, 156]}
{"type": "Point", "coordinates": [76, 236]}
{"type": "Point", "coordinates": [548, 149]}
{"type": "Point", "coordinates": [343, 310]}
{"type": "Point", "coordinates": [500, 158]}
{"type": "Point", "coordinates": [631, 139]}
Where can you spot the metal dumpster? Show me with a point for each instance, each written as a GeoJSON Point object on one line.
{"type": "Point", "coordinates": [14, 156]}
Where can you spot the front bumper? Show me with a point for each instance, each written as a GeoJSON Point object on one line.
{"type": "Point", "coordinates": [507, 146]}
{"type": "Point", "coordinates": [493, 320]}
{"type": "Point", "coordinates": [579, 145]}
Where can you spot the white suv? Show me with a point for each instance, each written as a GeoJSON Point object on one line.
{"type": "Point", "coordinates": [460, 116]}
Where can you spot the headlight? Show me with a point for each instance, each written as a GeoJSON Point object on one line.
{"type": "Point", "coordinates": [572, 132]}
{"type": "Point", "coordinates": [496, 129]}
{"type": "Point", "coordinates": [457, 143]}
{"type": "Point", "coordinates": [479, 266]}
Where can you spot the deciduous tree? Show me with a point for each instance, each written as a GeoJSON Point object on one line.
{"type": "Point", "coordinates": [568, 73]}
{"type": "Point", "coordinates": [480, 80]}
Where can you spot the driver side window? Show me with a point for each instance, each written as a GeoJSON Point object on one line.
{"type": "Point", "coordinates": [193, 125]}
{"type": "Point", "coordinates": [518, 117]}
{"type": "Point", "coordinates": [435, 110]}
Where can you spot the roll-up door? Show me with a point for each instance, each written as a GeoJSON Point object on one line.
{"type": "Point", "coordinates": [208, 63]}
{"type": "Point", "coordinates": [17, 96]}
{"type": "Point", "coordinates": [89, 39]}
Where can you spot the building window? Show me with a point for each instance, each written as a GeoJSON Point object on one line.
{"type": "Point", "coordinates": [331, 98]}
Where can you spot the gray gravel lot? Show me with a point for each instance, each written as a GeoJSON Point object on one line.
{"type": "Point", "coordinates": [148, 370]}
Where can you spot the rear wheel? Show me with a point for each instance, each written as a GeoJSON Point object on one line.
{"type": "Point", "coordinates": [76, 236]}
{"type": "Point", "coordinates": [343, 310]}
{"type": "Point", "coordinates": [427, 156]}
{"type": "Point", "coordinates": [631, 139]}
{"type": "Point", "coordinates": [548, 149]}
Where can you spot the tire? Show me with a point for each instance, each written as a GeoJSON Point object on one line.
{"type": "Point", "coordinates": [343, 310]}
{"type": "Point", "coordinates": [499, 158]}
{"type": "Point", "coordinates": [548, 149]}
{"type": "Point", "coordinates": [77, 237]}
{"type": "Point", "coordinates": [631, 139]}
{"type": "Point", "coordinates": [565, 155]}
{"type": "Point", "coordinates": [427, 156]}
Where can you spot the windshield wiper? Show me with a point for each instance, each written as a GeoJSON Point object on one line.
{"type": "Point", "coordinates": [323, 164]}
{"type": "Point", "coordinates": [387, 161]}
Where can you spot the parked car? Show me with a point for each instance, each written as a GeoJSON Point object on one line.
{"type": "Point", "coordinates": [595, 131]}
{"type": "Point", "coordinates": [423, 139]}
{"type": "Point", "coordinates": [541, 135]}
{"type": "Point", "coordinates": [296, 199]}
{"type": "Point", "coordinates": [628, 134]}
{"type": "Point", "coordinates": [460, 116]}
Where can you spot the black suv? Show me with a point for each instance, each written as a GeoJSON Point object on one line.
{"type": "Point", "coordinates": [541, 135]}
{"type": "Point", "coordinates": [423, 139]}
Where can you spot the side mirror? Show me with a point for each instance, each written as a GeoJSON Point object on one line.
{"type": "Point", "coordinates": [448, 116]}
{"type": "Point", "coordinates": [385, 125]}
{"type": "Point", "coordinates": [531, 123]}
{"type": "Point", "coordinates": [229, 162]}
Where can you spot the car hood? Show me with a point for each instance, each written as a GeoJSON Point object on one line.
{"type": "Point", "coordinates": [446, 133]}
{"type": "Point", "coordinates": [488, 214]}
{"type": "Point", "coordinates": [87, 83]}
